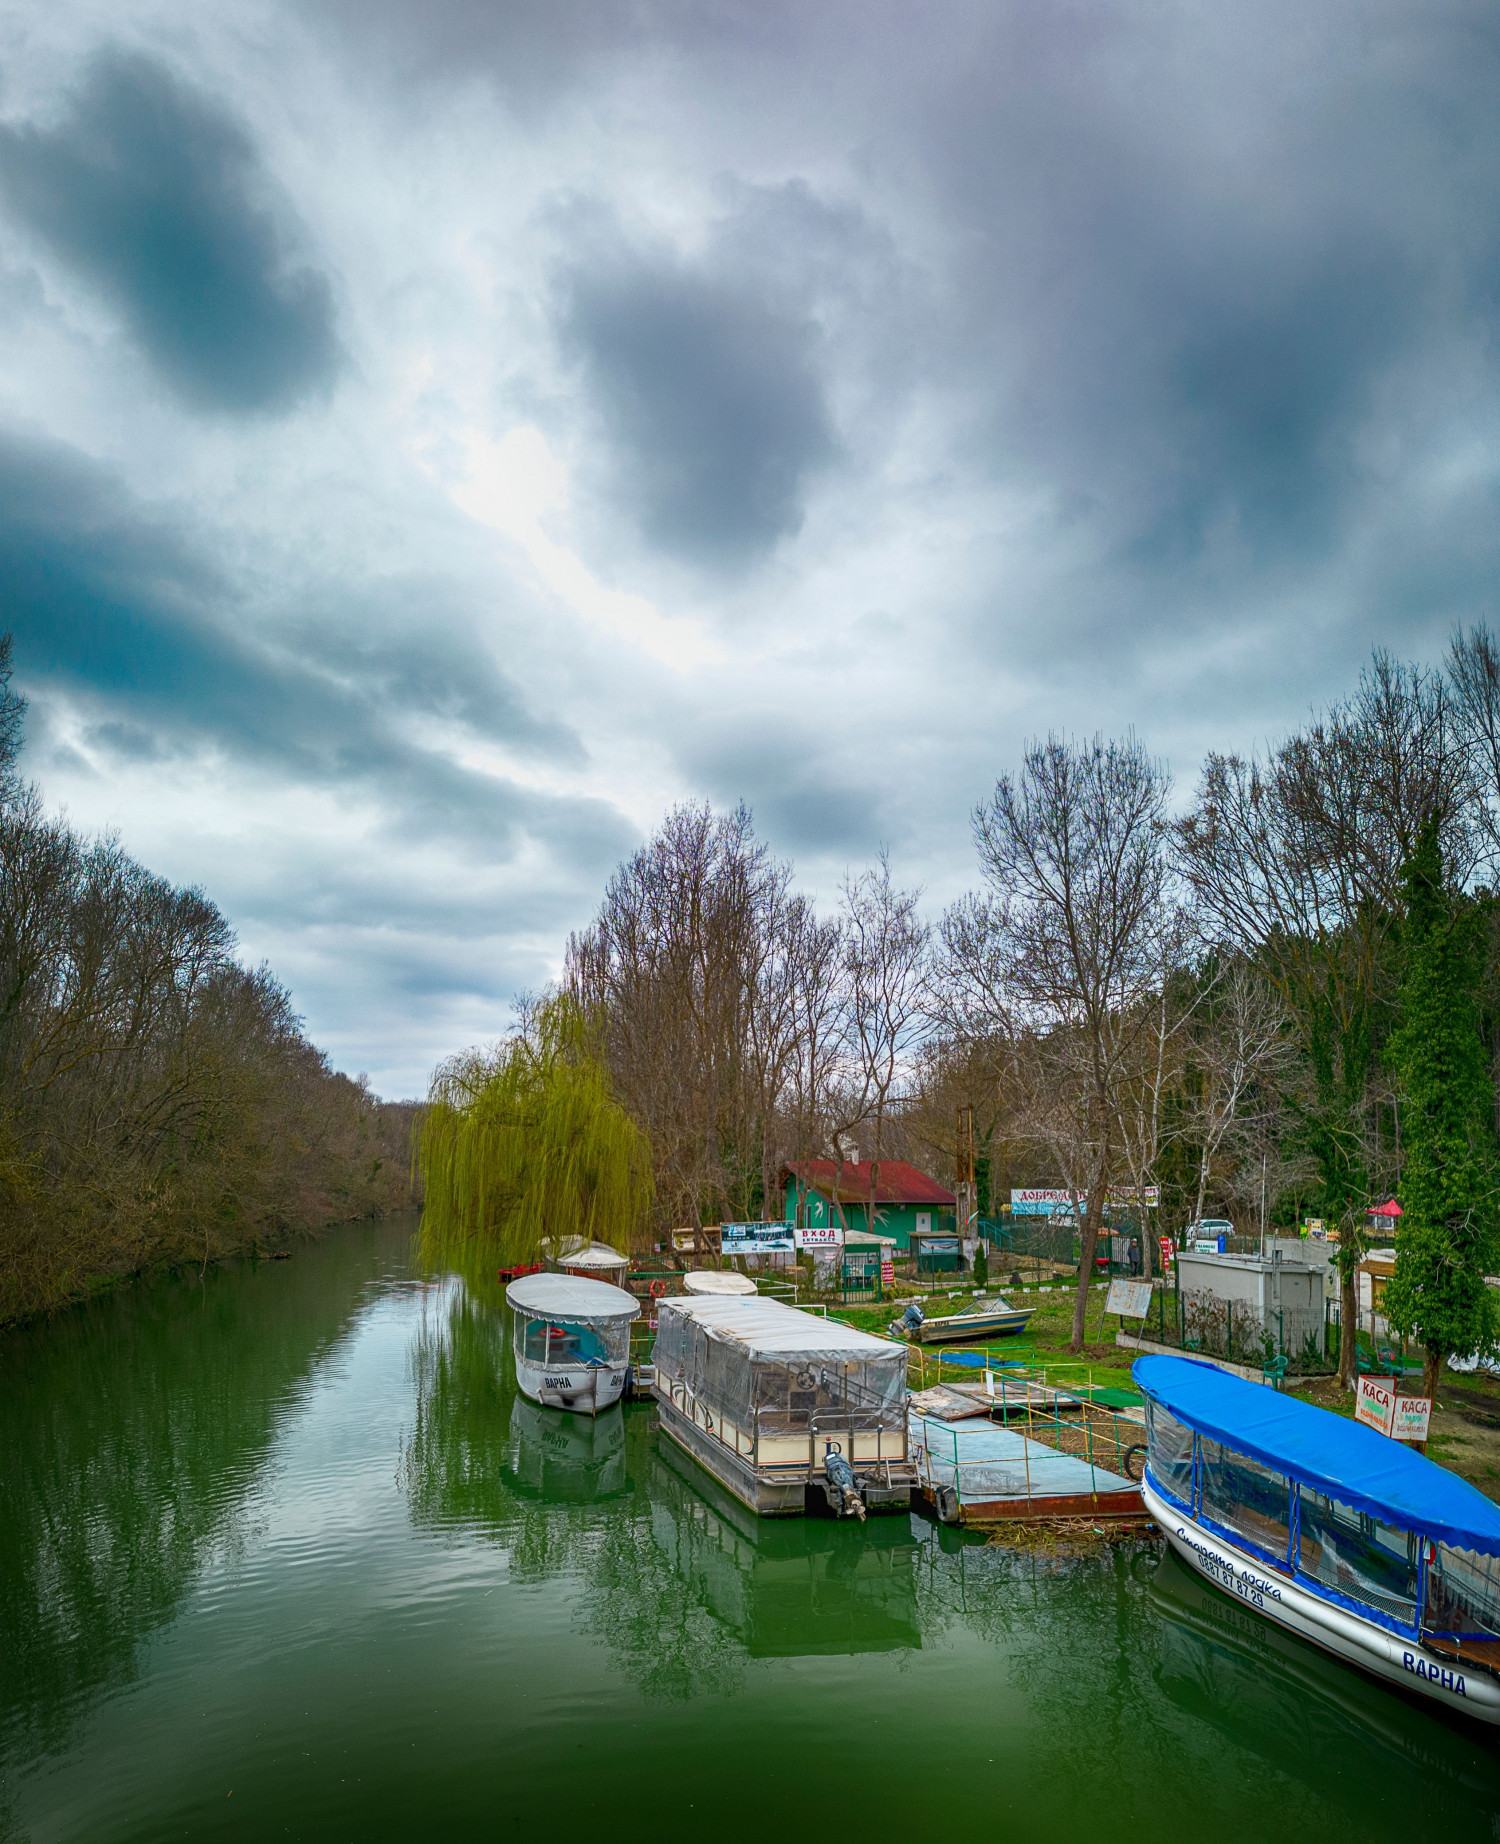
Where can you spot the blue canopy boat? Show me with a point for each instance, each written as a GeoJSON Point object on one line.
{"type": "Point", "coordinates": [1328, 1528]}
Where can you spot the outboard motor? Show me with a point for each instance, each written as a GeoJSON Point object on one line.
{"type": "Point", "coordinates": [839, 1486]}
{"type": "Point", "coordinates": [910, 1321]}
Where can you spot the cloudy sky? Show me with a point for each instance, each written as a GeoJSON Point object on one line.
{"type": "Point", "coordinates": [436, 438]}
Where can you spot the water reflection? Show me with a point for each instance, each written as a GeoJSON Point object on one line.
{"type": "Point", "coordinates": [564, 1458]}
{"type": "Point", "coordinates": [786, 1587]}
{"type": "Point", "coordinates": [1227, 1668]}
{"type": "Point", "coordinates": [680, 1581]}
{"type": "Point", "coordinates": [135, 1431]}
{"type": "Point", "coordinates": [453, 1462]}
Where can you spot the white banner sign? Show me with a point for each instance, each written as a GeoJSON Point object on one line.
{"type": "Point", "coordinates": [1131, 1299]}
{"type": "Point", "coordinates": [1413, 1413]}
{"type": "Point", "coordinates": [1046, 1202]}
{"type": "Point", "coordinates": [757, 1238]}
{"type": "Point", "coordinates": [1041, 1203]}
{"type": "Point", "coordinates": [826, 1236]}
{"type": "Point", "coordinates": [1375, 1402]}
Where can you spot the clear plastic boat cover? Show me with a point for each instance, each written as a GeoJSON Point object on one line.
{"type": "Point", "coordinates": [566, 1296]}
{"type": "Point", "coordinates": [757, 1361]}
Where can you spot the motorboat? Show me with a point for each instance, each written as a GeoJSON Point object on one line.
{"type": "Point", "coordinates": [571, 1339]}
{"type": "Point", "coordinates": [980, 1319]}
{"type": "Point", "coordinates": [778, 1403]}
{"type": "Point", "coordinates": [1329, 1529]}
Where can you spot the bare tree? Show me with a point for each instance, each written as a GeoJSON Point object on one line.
{"type": "Point", "coordinates": [1069, 946]}
{"type": "Point", "coordinates": [885, 970]}
{"type": "Point", "coordinates": [1240, 1045]}
{"type": "Point", "coordinates": [1296, 863]}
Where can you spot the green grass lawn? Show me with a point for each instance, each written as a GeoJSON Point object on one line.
{"type": "Point", "coordinates": [1044, 1342]}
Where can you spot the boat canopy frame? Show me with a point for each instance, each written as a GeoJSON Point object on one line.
{"type": "Point", "coordinates": [1248, 1451]}
{"type": "Point", "coordinates": [762, 1364]}
{"type": "Point", "coordinates": [1363, 1469]}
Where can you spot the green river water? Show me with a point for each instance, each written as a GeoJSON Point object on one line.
{"type": "Point", "coordinates": [283, 1555]}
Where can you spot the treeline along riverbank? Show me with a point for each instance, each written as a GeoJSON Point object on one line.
{"type": "Point", "coordinates": [159, 1102]}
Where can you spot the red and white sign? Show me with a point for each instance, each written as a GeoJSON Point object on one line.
{"type": "Point", "coordinates": [820, 1236]}
{"type": "Point", "coordinates": [887, 1274]}
{"type": "Point", "coordinates": [1413, 1413]}
{"type": "Point", "coordinates": [1375, 1403]}
{"type": "Point", "coordinates": [1168, 1253]}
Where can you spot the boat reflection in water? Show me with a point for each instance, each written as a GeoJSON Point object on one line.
{"type": "Point", "coordinates": [786, 1588]}
{"type": "Point", "coordinates": [1230, 1668]}
{"type": "Point", "coordinates": [564, 1458]}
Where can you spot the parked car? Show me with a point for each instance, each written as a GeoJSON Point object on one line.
{"type": "Point", "coordinates": [1207, 1234]}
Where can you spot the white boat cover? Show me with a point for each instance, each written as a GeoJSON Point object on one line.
{"type": "Point", "coordinates": [704, 1280]}
{"type": "Point", "coordinates": [597, 1255]}
{"type": "Point", "coordinates": [567, 1296]}
{"type": "Point", "coordinates": [768, 1328]}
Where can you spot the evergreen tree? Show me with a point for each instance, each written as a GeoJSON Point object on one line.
{"type": "Point", "coordinates": [1449, 1237]}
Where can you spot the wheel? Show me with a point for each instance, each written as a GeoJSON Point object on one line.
{"type": "Point", "coordinates": [947, 1504]}
{"type": "Point", "coordinates": [1135, 1469]}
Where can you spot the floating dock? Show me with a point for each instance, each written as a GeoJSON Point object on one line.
{"type": "Point", "coordinates": [976, 1471]}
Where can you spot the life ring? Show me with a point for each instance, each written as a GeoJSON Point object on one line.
{"type": "Point", "coordinates": [658, 1288]}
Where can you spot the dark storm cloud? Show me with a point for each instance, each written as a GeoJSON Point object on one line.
{"type": "Point", "coordinates": [712, 400]}
{"type": "Point", "coordinates": [156, 196]}
{"type": "Point", "coordinates": [806, 795]}
{"type": "Point", "coordinates": [113, 604]}
{"type": "Point", "coordinates": [1224, 292]}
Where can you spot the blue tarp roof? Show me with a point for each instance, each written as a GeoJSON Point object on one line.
{"type": "Point", "coordinates": [1341, 1458]}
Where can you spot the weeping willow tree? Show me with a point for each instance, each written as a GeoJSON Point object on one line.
{"type": "Point", "coordinates": [528, 1142]}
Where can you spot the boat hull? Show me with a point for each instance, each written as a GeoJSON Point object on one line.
{"type": "Point", "coordinates": [583, 1388]}
{"type": "Point", "coordinates": [765, 1493]}
{"type": "Point", "coordinates": [976, 1326]}
{"type": "Point", "coordinates": [1397, 1660]}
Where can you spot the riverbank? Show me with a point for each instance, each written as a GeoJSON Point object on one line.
{"type": "Point", "coordinates": [285, 1554]}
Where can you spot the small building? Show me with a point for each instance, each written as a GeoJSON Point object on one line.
{"type": "Point", "coordinates": [1231, 1304]}
{"type": "Point", "coordinates": [821, 1192]}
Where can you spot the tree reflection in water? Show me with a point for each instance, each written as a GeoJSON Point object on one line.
{"type": "Point", "coordinates": [136, 1430]}
{"type": "Point", "coordinates": [677, 1579]}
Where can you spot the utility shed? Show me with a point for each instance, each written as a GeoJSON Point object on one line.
{"type": "Point", "coordinates": [1231, 1304]}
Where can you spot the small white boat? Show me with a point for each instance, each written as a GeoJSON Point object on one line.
{"type": "Point", "coordinates": [571, 1339]}
{"type": "Point", "coordinates": [1329, 1529]}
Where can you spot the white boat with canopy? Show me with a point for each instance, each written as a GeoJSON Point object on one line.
{"type": "Point", "coordinates": [571, 1339]}
{"type": "Point", "coordinates": [776, 1402]}
{"type": "Point", "coordinates": [1329, 1529]}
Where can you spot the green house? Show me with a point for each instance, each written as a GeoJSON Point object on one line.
{"type": "Point", "coordinates": [825, 1192]}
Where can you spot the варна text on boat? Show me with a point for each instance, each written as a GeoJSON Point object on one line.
{"type": "Point", "coordinates": [571, 1339]}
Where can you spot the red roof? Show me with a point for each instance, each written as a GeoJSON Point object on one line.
{"type": "Point", "coordinates": [1391, 1209]}
{"type": "Point", "coordinates": [900, 1183]}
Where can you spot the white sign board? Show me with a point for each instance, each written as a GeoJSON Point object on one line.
{"type": "Point", "coordinates": [820, 1236]}
{"type": "Point", "coordinates": [757, 1238]}
{"type": "Point", "coordinates": [1047, 1202]}
{"type": "Point", "coordinates": [1375, 1402]}
{"type": "Point", "coordinates": [1041, 1203]}
{"type": "Point", "coordinates": [1131, 1299]}
{"type": "Point", "coordinates": [1413, 1413]}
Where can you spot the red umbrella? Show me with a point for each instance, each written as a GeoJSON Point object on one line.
{"type": "Point", "coordinates": [1390, 1208]}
